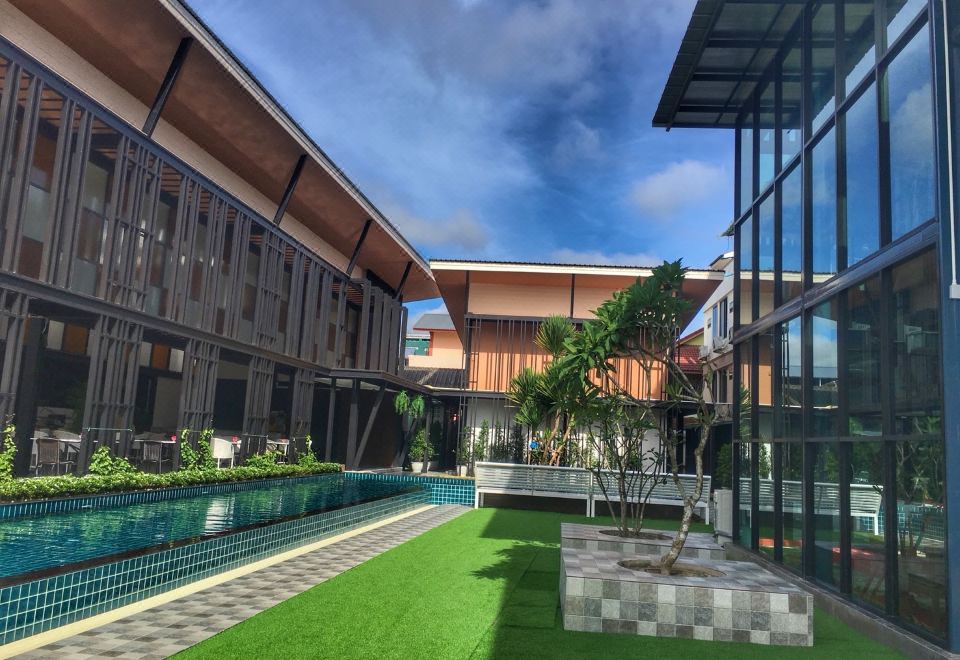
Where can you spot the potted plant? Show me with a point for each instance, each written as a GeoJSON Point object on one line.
{"type": "Point", "coordinates": [463, 458]}
{"type": "Point", "coordinates": [420, 452]}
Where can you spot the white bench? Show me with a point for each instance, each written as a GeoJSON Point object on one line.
{"type": "Point", "coordinates": [865, 499]}
{"type": "Point", "coordinates": [575, 483]}
{"type": "Point", "coordinates": [533, 480]}
{"type": "Point", "coordinates": [664, 493]}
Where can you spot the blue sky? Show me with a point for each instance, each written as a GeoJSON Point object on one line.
{"type": "Point", "coordinates": [494, 129]}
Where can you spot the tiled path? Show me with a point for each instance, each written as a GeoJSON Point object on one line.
{"type": "Point", "coordinates": [166, 629]}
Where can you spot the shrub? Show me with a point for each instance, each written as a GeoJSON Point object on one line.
{"type": "Point", "coordinates": [308, 459]}
{"type": "Point", "coordinates": [68, 485]}
{"type": "Point", "coordinates": [8, 451]}
{"type": "Point", "coordinates": [265, 460]}
{"type": "Point", "coordinates": [420, 450]}
{"type": "Point", "coordinates": [104, 464]}
{"type": "Point", "coordinates": [721, 471]}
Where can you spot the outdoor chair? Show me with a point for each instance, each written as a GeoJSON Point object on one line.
{"type": "Point", "coordinates": [221, 450]}
{"type": "Point", "coordinates": [153, 453]}
{"type": "Point", "coordinates": [48, 454]}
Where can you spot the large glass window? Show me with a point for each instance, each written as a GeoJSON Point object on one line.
{"type": "Point", "coordinates": [94, 202]}
{"type": "Point", "coordinates": [791, 378]}
{"type": "Point", "coordinates": [745, 284]}
{"type": "Point", "coordinates": [862, 359]}
{"type": "Point", "coordinates": [826, 382]}
{"type": "Point", "coordinates": [744, 433]}
{"type": "Point", "coordinates": [791, 235]}
{"type": "Point", "coordinates": [858, 41]}
{"type": "Point", "coordinates": [826, 514]}
{"type": "Point", "coordinates": [792, 494]}
{"type": "Point", "coordinates": [900, 13]}
{"type": "Point", "coordinates": [824, 209]}
{"type": "Point", "coordinates": [163, 257]}
{"type": "Point", "coordinates": [867, 550]}
{"type": "Point", "coordinates": [912, 148]}
{"type": "Point", "coordinates": [823, 73]}
{"type": "Point", "coordinates": [765, 270]}
{"type": "Point", "coordinates": [791, 102]}
{"type": "Point", "coordinates": [746, 163]}
{"type": "Point", "coordinates": [36, 214]}
{"type": "Point", "coordinates": [862, 171]}
{"type": "Point", "coordinates": [916, 348]}
{"type": "Point", "coordinates": [921, 534]}
{"type": "Point", "coordinates": [767, 135]}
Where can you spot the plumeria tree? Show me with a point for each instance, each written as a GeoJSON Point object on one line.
{"type": "Point", "coordinates": [640, 325]}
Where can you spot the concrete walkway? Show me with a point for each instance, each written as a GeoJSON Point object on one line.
{"type": "Point", "coordinates": [165, 629]}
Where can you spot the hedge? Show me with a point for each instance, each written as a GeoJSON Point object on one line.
{"type": "Point", "coordinates": [36, 488]}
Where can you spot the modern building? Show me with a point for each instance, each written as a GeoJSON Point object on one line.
{"type": "Point", "coordinates": [716, 352]}
{"type": "Point", "coordinates": [496, 309]}
{"type": "Point", "coordinates": [176, 252]}
{"type": "Point", "coordinates": [444, 350]}
{"type": "Point", "coordinates": [845, 307]}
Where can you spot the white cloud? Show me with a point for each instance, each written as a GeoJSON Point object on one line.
{"type": "Point", "coordinates": [571, 256]}
{"type": "Point", "coordinates": [577, 142]}
{"type": "Point", "coordinates": [679, 187]}
{"type": "Point", "coordinates": [461, 229]}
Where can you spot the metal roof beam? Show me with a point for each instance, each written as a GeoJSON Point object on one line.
{"type": "Point", "coordinates": [166, 87]}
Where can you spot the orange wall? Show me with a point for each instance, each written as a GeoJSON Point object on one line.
{"type": "Point", "coordinates": [518, 300]}
{"type": "Point", "coordinates": [446, 352]}
{"type": "Point", "coordinates": [498, 357]}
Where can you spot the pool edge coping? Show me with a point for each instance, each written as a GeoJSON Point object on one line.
{"type": "Point", "coordinates": [76, 627]}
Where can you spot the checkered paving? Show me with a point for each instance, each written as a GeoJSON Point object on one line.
{"type": "Point", "coordinates": [166, 629]}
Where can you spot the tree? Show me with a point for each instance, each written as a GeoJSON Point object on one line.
{"type": "Point", "coordinates": [547, 401]}
{"type": "Point", "coordinates": [618, 432]}
{"type": "Point", "coordinates": [641, 324]}
{"type": "Point", "coordinates": [412, 412]}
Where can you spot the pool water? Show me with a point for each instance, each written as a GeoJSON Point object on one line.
{"type": "Point", "coordinates": [44, 544]}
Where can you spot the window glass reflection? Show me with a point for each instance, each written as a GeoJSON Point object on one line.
{"type": "Point", "coordinates": [863, 171]}
{"type": "Point", "coordinates": [858, 43]}
{"type": "Point", "coordinates": [746, 272]}
{"type": "Point", "coordinates": [791, 116]}
{"type": "Point", "coordinates": [826, 514]}
{"type": "Point", "coordinates": [745, 513]}
{"type": "Point", "coordinates": [823, 75]}
{"type": "Point", "coordinates": [95, 199]}
{"type": "Point", "coordinates": [766, 239]}
{"type": "Point", "coordinates": [791, 235]}
{"type": "Point", "coordinates": [921, 534]}
{"type": "Point", "coordinates": [824, 208]}
{"type": "Point", "coordinates": [900, 13]}
{"type": "Point", "coordinates": [792, 494]}
{"type": "Point", "coordinates": [912, 148]}
{"type": "Point", "coordinates": [746, 163]}
{"type": "Point", "coordinates": [867, 550]}
{"type": "Point", "coordinates": [916, 349]}
{"type": "Point", "coordinates": [791, 374]}
{"type": "Point", "coordinates": [826, 384]}
{"type": "Point", "coordinates": [767, 135]}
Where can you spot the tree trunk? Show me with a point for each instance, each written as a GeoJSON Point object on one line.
{"type": "Point", "coordinates": [669, 559]}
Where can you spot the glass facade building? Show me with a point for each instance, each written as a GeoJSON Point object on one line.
{"type": "Point", "coordinates": [845, 331]}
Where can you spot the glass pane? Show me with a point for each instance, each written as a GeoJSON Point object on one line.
{"type": "Point", "coordinates": [765, 387]}
{"type": "Point", "coordinates": [825, 208]}
{"type": "Point", "coordinates": [916, 350]}
{"type": "Point", "coordinates": [746, 517]}
{"type": "Point", "coordinates": [863, 172]}
{"type": "Point", "coordinates": [746, 271]}
{"type": "Point", "coordinates": [826, 396]}
{"type": "Point", "coordinates": [791, 116]}
{"type": "Point", "coordinates": [900, 13]}
{"type": "Point", "coordinates": [163, 257]}
{"type": "Point", "coordinates": [791, 371]}
{"type": "Point", "coordinates": [791, 235]}
{"type": "Point", "coordinates": [823, 67]}
{"type": "Point", "coordinates": [766, 240]}
{"type": "Point", "coordinates": [921, 534]}
{"type": "Point", "coordinates": [95, 199]}
{"type": "Point", "coordinates": [858, 50]}
{"type": "Point", "coordinates": [912, 149]}
{"type": "Point", "coordinates": [868, 554]}
{"type": "Point", "coordinates": [36, 212]}
{"type": "Point", "coordinates": [792, 489]}
{"type": "Point", "coordinates": [826, 514]}
{"type": "Point", "coordinates": [746, 164]}
{"type": "Point", "coordinates": [767, 135]}
{"type": "Point", "coordinates": [862, 371]}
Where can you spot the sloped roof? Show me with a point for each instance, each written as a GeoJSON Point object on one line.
{"type": "Point", "coordinates": [434, 322]}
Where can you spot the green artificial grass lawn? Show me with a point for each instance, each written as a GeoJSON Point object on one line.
{"type": "Point", "coordinates": [483, 585]}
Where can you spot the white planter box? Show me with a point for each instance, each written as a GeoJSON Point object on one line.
{"type": "Point", "coordinates": [723, 499]}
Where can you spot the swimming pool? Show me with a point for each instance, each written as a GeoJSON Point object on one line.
{"type": "Point", "coordinates": [69, 559]}
{"type": "Point", "coordinates": [34, 546]}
